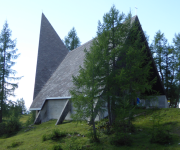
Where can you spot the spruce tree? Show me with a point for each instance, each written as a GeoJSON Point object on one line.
{"type": "Point", "coordinates": [7, 55]}
{"type": "Point", "coordinates": [72, 40]}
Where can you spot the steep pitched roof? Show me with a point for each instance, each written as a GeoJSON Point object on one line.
{"type": "Point", "coordinates": [51, 52]}
{"type": "Point", "coordinates": [158, 86]}
{"type": "Point", "coordinates": [60, 82]}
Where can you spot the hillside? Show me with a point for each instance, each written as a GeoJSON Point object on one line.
{"type": "Point", "coordinates": [31, 138]}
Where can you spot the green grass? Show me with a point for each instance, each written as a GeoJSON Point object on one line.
{"type": "Point", "coordinates": [32, 139]}
{"type": "Point", "coordinates": [24, 118]}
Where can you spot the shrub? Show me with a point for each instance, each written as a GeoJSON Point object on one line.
{"type": "Point", "coordinates": [11, 126]}
{"type": "Point", "coordinates": [2, 128]}
{"type": "Point", "coordinates": [56, 134]}
{"type": "Point", "coordinates": [161, 137]}
{"type": "Point", "coordinates": [160, 133]}
{"type": "Point", "coordinates": [57, 147]}
{"type": "Point", "coordinates": [44, 138]}
{"type": "Point", "coordinates": [73, 144]}
{"type": "Point", "coordinates": [91, 136]}
{"type": "Point", "coordinates": [122, 139]}
{"type": "Point", "coordinates": [14, 144]}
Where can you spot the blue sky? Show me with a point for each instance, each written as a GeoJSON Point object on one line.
{"type": "Point", "coordinates": [24, 18]}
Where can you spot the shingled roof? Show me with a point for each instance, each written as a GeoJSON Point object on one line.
{"type": "Point", "coordinates": [51, 52]}
{"type": "Point", "coordinates": [61, 81]}
{"type": "Point", "coordinates": [59, 84]}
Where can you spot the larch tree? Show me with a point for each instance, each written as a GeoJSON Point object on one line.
{"type": "Point", "coordinates": [119, 55]}
{"type": "Point", "coordinates": [72, 41]}
{"type": "Point", "coordinates": [111, 33]}
{"type": "Point", "coordinates": [159, 47]}
{"type": "Point", "coordinates": [7, 55]}
{"type": "Point", "coordinates": [87, 89]}
{"type": "Point", "coordinates": [176, 41]}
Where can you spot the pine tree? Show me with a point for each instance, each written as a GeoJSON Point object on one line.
{"type": "Point", "coordinates": [72, 41]}
{"type": "Point", "coordinates": [7, 55]}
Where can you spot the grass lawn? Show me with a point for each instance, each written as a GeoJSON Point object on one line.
{"type": "Point", "coordinates": [32, 139]}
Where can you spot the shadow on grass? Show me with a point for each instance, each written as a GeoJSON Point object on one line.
{"type": "Point", "coordinates": [67, 121]}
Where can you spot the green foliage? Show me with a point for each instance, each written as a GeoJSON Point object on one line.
{"type": "Point", "coordinates": [72, 41]}
{"type": "Point", "coordinates": [57, 147]}
{"type": "Point", "coordinates": [123, 126]}
{"type": "Point", "coordinates": [167, 60]}
{"type": "Point", "coordinates": [14, 144]}
{"type": "Point", "coordinates": [44, 137]}
{"type": "Point", "coordinates": [160, 134]}
{"type": "Point", "coordinates": [21, 105]}
{"type": "Point", "coordinates": [31, 118]}
{"type": "Point", "coordinates": [91, 136]}
{"type": "Point", "coordinates": [73, 144]}
{"type": "Point", "coordinates": [12, 108]}
{"type": "Point", "coordinates": [55, 135]}
{"type": "Point", "coordinates": [7, 55]}
{"type": "Point", "coordinates": [103, 126]}
{"type": "Point", "coordinates": [122, 139]}
{"type": "Point", "coordinates": [10, 127]}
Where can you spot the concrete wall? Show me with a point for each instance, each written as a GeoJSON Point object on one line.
{"type": "Point", "coordinates": [160, 102]}
{"type": "Point", "coordinates": [55, 108]}
{"type": "Point", "coordinates": [51, 110]}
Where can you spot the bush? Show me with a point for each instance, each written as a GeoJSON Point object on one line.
{"type": "Point", "coordinates": [160, 134]}
{"type": "Point", "coordinates": [161, 137]}
{"type": "Point", "coordinates": [56, 134]}
{"type": "Point", "coordinates": [57, 147]}
{"type": "Point", "coordinates": [11, 126]}
{"type": "Point", "coordinates": [2, 128]}
{"type": "Point", "coordinates": [122, 139]}
{"type": "Point", "coordinates": [14, 144]}
{"type": "Point", "coordinates": [91, 136]}
{"type": "Point", "coordinates": [44, 138]}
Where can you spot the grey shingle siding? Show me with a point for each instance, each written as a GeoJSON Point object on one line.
{"type": "Point", "coordinates": [51, 52]}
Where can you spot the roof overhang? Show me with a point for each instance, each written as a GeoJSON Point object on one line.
{"type": "Point", "coordinates": [50, 98]}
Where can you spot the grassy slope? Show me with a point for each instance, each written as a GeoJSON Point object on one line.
{"type": "Point", "coordinates": [33, 139]}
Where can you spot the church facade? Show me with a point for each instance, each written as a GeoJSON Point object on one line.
{"type": "Point", "coordinates": [54, 70]}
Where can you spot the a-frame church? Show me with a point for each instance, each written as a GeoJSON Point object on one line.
{"type": "Point", "coordinates": [55, 67]}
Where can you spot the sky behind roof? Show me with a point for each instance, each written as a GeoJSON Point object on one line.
{"type": "Point", "coordinates": [24, 19]}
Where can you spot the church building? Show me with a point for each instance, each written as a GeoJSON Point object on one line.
{"type": "Point", "coordinates": [54, 70]}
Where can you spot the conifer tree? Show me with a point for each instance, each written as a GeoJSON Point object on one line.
{"type": "Point", "coordinates": [7, 55]}
{"type": "Point", "coordinates": [72, 40]}
{"type": "Point", "coordinates": [111, 33]}
{"type": "Point", "coordinates": [159, 47]}
{"type": "Point", "coordinates": [123, 68]}
{"type": "Point", "coordinates": [87, 89]}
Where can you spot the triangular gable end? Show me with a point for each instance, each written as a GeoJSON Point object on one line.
{"type": "Point", "coordinates": [51, 52]}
